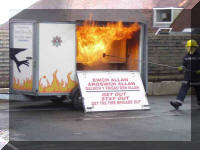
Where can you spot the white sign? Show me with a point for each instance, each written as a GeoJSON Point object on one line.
{"type": "Point", "coordinates": [23, 53]}
{"type": "Point", "coordinates": [112, 90]}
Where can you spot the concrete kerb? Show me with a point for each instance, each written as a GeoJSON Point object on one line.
{"type": "Point", "coordinates": [4, 94]}
{"type": "Point", "coordinates": [4, 90]}
{"type": "Point", "coordinates": [164, 88]}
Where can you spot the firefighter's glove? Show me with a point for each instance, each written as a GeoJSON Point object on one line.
{"type": "Point", "coordinates": [180, 69]}
{"type": "Point", "coordinates": [198, 72]}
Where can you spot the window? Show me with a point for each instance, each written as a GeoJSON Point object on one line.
{"type": "Point", "coordinates": [164, 15]}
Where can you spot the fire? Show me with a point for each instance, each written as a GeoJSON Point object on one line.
{"type": "Point", "coordinates": [26, 85]}
{"type": "Point", "coordinates": [57, 86]}
{"type": "Point", "coordinates": [93, 40]}
{"type": "Point", "coordinates": [183, 3]}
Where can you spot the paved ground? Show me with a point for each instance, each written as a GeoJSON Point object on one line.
{"type": "Point", "coordinates": [4, 123]}
{"type": "Point", "coordinates": [44, 121]}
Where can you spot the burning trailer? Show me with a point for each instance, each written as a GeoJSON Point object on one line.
{"type": "Point", "coordinates": [98, 64]}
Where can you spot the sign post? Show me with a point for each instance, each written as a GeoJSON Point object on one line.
{"type": "Point", "coordinates": [112, 91]}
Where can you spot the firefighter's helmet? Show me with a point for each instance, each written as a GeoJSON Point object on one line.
{"type": "Point", "coordinates": [192, 43]}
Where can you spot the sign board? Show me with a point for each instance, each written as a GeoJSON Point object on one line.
{"type": "Point", "coordinates": [21, 55]}
{"type": "Point", "coordinates": [112, 90]}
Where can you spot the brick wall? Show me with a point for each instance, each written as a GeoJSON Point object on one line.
{"type": "Point", "coordinates": [167, 50]}
{"type": "Point", "coordinates": [163, 49]}
{"type": "Point", "coordinates": [4, 58]}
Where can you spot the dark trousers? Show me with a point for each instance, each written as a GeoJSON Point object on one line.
{"type": "Point", "coordinates": [184, 89]}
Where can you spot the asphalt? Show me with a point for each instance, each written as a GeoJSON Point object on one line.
{"type": "Point", "coordinates": [45, 121]}
{"type": "Point", "coordinates": [4, 123]}
{"type": "Point", "coordinates": [39, 121]}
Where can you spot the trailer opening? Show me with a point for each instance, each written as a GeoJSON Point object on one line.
{"type": "Point", "coordinates": [107, 45]}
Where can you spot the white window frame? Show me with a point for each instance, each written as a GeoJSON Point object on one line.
{"type": "Point", "coordinates": [164, 22]}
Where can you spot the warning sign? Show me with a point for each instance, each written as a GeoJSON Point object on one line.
{"type": "Point", "coordinates": [112, 90]}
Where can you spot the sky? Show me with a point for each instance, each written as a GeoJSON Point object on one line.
{"type": "Point", "coordinates": [8, 8]}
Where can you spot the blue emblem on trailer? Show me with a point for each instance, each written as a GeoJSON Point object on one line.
{"type": "Point", "coordinates": [57, 41]}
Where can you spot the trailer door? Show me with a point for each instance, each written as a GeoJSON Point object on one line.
{"type": "Point", "coordinates": [57, 57]}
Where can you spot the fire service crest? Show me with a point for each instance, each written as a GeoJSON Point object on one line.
{"type": "Point", "coordinates": [57, 41]}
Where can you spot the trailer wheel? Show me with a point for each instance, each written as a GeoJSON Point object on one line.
{"type": "Point", "coordinates": [77, 100]}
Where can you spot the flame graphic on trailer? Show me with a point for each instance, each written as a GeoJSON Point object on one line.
{"type": "Point", "coordinates": [56, 85]}
{"type": "Point", "coordinates": [25, 85]}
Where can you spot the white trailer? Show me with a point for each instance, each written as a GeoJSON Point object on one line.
{"type": "Point", "coordinates": [43, 60]}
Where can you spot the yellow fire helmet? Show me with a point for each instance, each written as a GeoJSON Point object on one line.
{"type": "Point", "coordinates": [192, 43]}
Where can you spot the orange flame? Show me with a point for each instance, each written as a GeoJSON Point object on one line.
{"type": "Point", "coordinates": [26, 85]}
{"type": "Point", "coordinates": [183, 3]}
{"type": "Point", "coordinates": [93, 40]}
{"type": "Point", "coordinates": [57, 86]}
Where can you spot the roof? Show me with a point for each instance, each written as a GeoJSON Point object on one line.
{"type": "Point", "coordinates": [171, 3]}
{"type": "Point", "coordinates": [143, 5]}
{"type": "Point", "coordinates": [108, 4]}
{"type": "Point", "coordinates": [187, 18]}
{"type": "Point", "coordinates": [60, 15]}
{"type": "Point", "coordinates": [192, 4]}
{"type": "Point", "coordinates": [51, 4]}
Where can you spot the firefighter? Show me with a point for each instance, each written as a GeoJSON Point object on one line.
{"type": "Point", "coordinates": [191, 67]}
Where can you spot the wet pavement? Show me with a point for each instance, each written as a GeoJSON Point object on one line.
{"type": "Point", "coordinates": [45, 121]}
{"type": "Point", "coordinates": [4, 123]}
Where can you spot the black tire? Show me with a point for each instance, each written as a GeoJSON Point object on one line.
{"type": "Point", "coordinates": [77, 100]}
